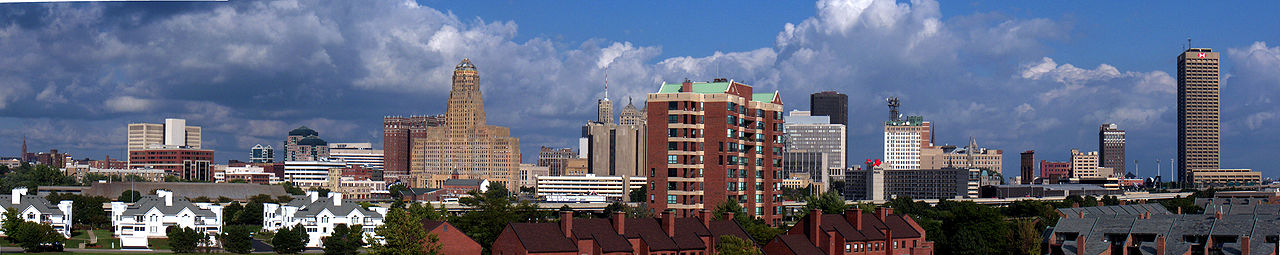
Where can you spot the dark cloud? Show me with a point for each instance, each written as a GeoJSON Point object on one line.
{"type": "Point", "coordinates": [248, 71]}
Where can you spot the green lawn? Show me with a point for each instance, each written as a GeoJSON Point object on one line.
{"type": "Point", "coordinates": [159, 243]}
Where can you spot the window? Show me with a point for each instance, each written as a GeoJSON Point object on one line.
{"type": "Point", "coordinates": [671, 199]}
{"type": "Point", "coordinates": [672, 146]}
{"type": "Point", "coordinates": [671, 132]}
{"type": "Point", "coordinates": [672, 106]}
{"type": "Point", "coordinates": [673, 119]}
{"type": "Point", "coordinates": [672, 159]}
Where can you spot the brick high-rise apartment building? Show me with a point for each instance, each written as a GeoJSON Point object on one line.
{"type": "Point", "coordinates": [398, 134]}
{"type": "Point", "coordinates": [465, 146]}
{"type": "Point", "coordinates": [1198, 144]}
{"type": "Point", "coordinates": [1111, 149]}
{"type": "Point", "coordinates": [714, 141]}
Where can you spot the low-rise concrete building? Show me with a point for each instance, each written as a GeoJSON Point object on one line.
{"type": "Point", "coordinates": [320, 214]}
{"type": "Point", "coordinates": [612, 188]}
{"type": "Point", "coordinates": [1206, 178]}
{"type": "Point", "coordinates": [37, 209]}
{"type": "Point", "coordinates": [152, 215]}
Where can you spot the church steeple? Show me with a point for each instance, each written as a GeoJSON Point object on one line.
{"type": "Point", "coordinates": [24, 149]}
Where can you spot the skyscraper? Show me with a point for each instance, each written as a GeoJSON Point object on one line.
{"type": "Point", "coordinates": [173, 133]}
{"type": "Point", "coordinates": [831, 104]}
{"type": "Point", "coordinates": [304, 144]}
{"type": "Point", "coordinates": [710, 142]}
{"type": "Point", "coordinates": [262, 154]}
{"type": "Point", "coordinates": [1028, 166]}
{"type": "Point", "coordinates": [1198, 145]}
{"type": "Point", "coordinates": [613, 149]}
{"type": "Point", "coordinates": [465, 146]}
{"type": "Point", "coordinates": [1084, 164]}
{"type": "Point", "coordinates": [807, 133]}
{"type": "Point", "coordinates": [904, 138]}
{"type": "Point", "coordinates": [1111, 149]}
{"type": "Point", "coordinates": [398, 134]}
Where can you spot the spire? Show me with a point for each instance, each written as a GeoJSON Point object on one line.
{"type": "Point", "coordinates": [606, 83]}
{"type": "Point", "coordinates": [24, 149]}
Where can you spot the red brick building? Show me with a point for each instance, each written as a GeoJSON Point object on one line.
{"type": "Point", "coordinates": [452, 239]}
{"type": "Point", "coordinates": [107, 163]}
{"type": "Point", "coordinates": [1051, 172]}
{"type": "Point", "coordinates": [709, 142]}
{"type": "Point", "coordinates": [190, 164]}
{"type": "Point", "coordinates": [853, 233]}
{"type": "Point", "coordinates": [618, 235]}
{"type": "Point", "coordinates": [397, 140]}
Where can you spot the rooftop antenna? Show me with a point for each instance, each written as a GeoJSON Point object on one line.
{"type": "Point", "coordinates": [1188, 43]}
{"type": "Point", "coordinates": [606, 82]}
{"type": "Point", "coordinates": [893, 108]}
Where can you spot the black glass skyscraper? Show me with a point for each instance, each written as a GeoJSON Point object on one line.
{"type": "Point", "coordinates": [831, 104]}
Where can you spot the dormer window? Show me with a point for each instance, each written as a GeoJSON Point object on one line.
{"type": "Point", "coordinates": [324, 219]}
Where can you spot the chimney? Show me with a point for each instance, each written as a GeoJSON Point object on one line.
{"type": "Point", "coordinates": [1080, 242]}
{"type": "Point", "coordinates": [167, 196]}
{"type": "Point", "coordinates": [1122, 202]}
{"type": "Point", "coordinates": [16, 196]}
{"type": "Point", "coordinates": [1179, 210]}
{"type": "Point", "coordinates": [1081, 214]}
{"type": "Point", "coordinates": [566, 223]}
{"type": "Point", "coordinates": [813, 225]}
{"type": "Point", "coordinates": [883, 213]}
{"type": "Point", "coordinates": [1160, 245]}
{"type": "Point", "coordinates": [1075, 204]}
{"type": "Point", "coordinates": [854, 216]}
{"type": "Point", "coordinates": [888, 239]}
{"type": "Point", "coordinates": [833, 245]}
{"type": "Point", "coordinates": [687, 86]}
{"type": "Point", "coordinates": [1244, 244]}
{"type": "Point", "coordinates": [313, 195]}
{"type": "Point", "coordinates": [669, 222]}
{"type": "Point", "coordinates": [1218, 214]}
{"type": "Point", "coordinates": [706, 217]}
{"type": "Point", "coordinates": [727, 216]}
{"type": "Point", "coordinates": [337, 198]}
{"type": "Point", "coordinates": [620, 221]}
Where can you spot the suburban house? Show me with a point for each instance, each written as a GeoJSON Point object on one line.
{"type": "Point", "coordinates": [320, 214]}
{"type": "Point", "coordinates": [36, 209]}
{"type": "Point", "coordinates": [618, 235]}
{"type": "Point", "coordinates": [152, 215]}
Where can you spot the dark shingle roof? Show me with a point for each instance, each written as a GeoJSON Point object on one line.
{"type": "Point", "coordinates": [148, 202]}
{"type": "Point", "coordinates": [40, 203]}
{"type": "Point", "coordinates": [542, 237]}
{"type": "Point", "coordinates": [798, 244]}
{"type": "Point", "coordinates": [462, 182]}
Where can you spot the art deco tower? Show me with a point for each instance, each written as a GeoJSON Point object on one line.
{"type": "Point", "coordinates": [465, 146]}
{"type": "Point", "coordinates": [1198, 121]}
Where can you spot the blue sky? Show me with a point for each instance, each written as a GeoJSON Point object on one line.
{"type": "Point", "coordinates": [1014, 75]}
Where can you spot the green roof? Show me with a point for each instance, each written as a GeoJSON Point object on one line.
{"type": "Point", "coordinates": [713, 88]}
{"type": "Point", "coordinates": [698, 87]}
{"type": "Point", "coordinates": [763, 97]}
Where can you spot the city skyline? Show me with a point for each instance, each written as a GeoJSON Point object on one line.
{"type": "Point", "coordinates": [1035, 77]}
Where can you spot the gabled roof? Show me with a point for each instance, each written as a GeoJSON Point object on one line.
{"type": "Point", "coordinates": [798, 244]}
{"type": "Point", "coordinates": [462, 182]}
{"type": "Point", "coordinates": [542, 237]}
{"type": "Point", "coordinates": [28, 201]}
{"type": "Point", "coordinates": [149, 202]}
{"type": "Point", "coordinates": [311, 209]}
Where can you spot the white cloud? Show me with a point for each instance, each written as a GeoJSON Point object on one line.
{"type": "Point", "coordinates": [128, 104]}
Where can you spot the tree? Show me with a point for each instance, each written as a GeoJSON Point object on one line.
{"type": "Point", "coordinates": [11, 220]}
{"type": "Point", "coordinates": [1026, 237]}
{"type": "Point", "coordinates": [428, 211]}
{"type": "Point", "coordinates": [396, 190]}
{"type": "Point", "coordinates": [829, 202]}
{"type": "Point", "coordinates": [251, 215]}
{"type": "Point", "coordinates": [434, 247]}
{"type": "Point", "coordinates": [402, 232]}
{"type": "Point", "coordinates": [1110, 200]}
{"type": "Point", "coordinates": [732, 245]}
{"type": "Point", "coordinates": [88, 209]}
{"type": "Point", "coordinates": [493, 211]}
{"type": "Point", "coordinates": [184, 240]}
{"type": "Point", "coordinates": [35, 237]}
{"type": "Point", "coordinates": [759, 231]}
{"type": "Point", "coordinates": [129, 196]}
{"type": "Point", "coordinates": [293, 190]}
{"type": "Point", "coordinates": [230, 212]}
{"type": "Point", "coordinates": [290, 240]}
{"type": "Point", "coordinates": [237, 239]}
{"type": "Point", "coordinates": [345, 240]}
{"type": "Point", "coordinates": [637, 195]}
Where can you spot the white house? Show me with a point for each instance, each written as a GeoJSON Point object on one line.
{"type": "Point", "coordinates": [151, 216]}
{"type": "Point", "coordinates": [37, 209]}
{"type": "Point", "coordinates": [320, 214]}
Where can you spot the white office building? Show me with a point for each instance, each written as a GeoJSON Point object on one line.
{"type": "Point", "coordinates": [310, 173]}
{"type": "Point", "coordinates": [807, 135]}
{"type": "Point", "coordinates": [152, 215]}
{"type": "Point", "coordinates": [36, 209]}
{"type": "Point", "coordinates": [320, 214]}
{"type": "Point", "coordinates": [572, 188]}
{"type": "Point", "coordinates": [356, 154]}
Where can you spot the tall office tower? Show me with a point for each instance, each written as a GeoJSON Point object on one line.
{"type": "Point", "coordinates": [262, 154]}
{"type": "Point", "coordinates": [1111, 149]}
{"type": "Point", "coordinates": [614, 149]}
{"type": "Point", "coordinates": [304, 144]}
{"type": "Point", "coordinates": [1028, 166]}
{"type": "Point", "coordinates": [556, 160]}
{"type": "Point", "coordinates": [1198, 145]}
{"type": "Point", "coordinates": [714, 141]}
{"type": "Point", "coordinates": [604, 107]}
{"type": "Point", "coordinates": [357, 154]}
{"type": "Point", "coordinates": [1084, 164]}
{"type": "Point", "coordinates": [806, 132]}
{"type": "Point", "coordinates": [398, 134]}
{"type": "Point", "coordinates": [173, 133]}
{"type": "Point", "coordinates": [831, 104]}
{"type": "Point", "coordinates": [465, 146]}
{"type": "Point", "coordinates": [904, 138]}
